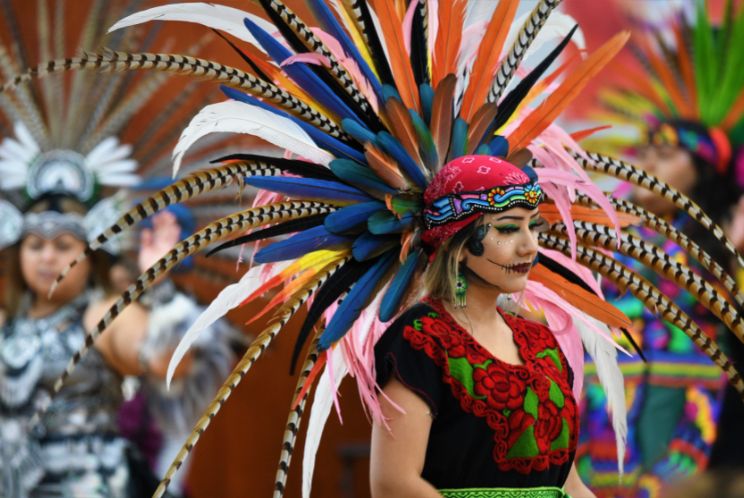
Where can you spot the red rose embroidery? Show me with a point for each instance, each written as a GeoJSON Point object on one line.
{"type": "Point", "coordinates": [518, 422]}
{"type": "Point", "coordinates": [502, 390]}
{"type": "Point", "coordinates": [548, 426]}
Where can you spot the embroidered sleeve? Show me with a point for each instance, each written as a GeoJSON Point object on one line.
{"type": "Point", "coordinates": [395, 357]}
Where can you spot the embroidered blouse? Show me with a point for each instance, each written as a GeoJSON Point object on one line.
{"type": "Point", "coordinates": [495, 424]}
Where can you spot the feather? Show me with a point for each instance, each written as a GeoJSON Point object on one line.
{"type": "Point", "coordinates": [555, 103]}
{"type": "Point", "coordinates": [219, 17]}
{"type": "Point", "coordinates": [368, 246]}
{"type": "Point", "coordinates": [361, 133]}
{"type": "Point", "coordinates": [512, 100]}
{"type": "Point", "coordinates": [308, 187]}
{"type": "Point", "coordinates": [579, 298]}
{"type": "Point", "coordinates": [278, 164]}
{"type": "Point", "coordinates": [360, 176]}
{"type": "Point", "coordinates": [336, 285]}
{"type": "Point", "coordinates": [385, 222]}
{"type": "Point", "coordinates": [459, 139]}
{"type": "Point", "coordinates": [449, 37]}
{"type": "Point", "coordinates": [580, 213]}
{"type": "Point", "coordinates": [326, 18]}
{"type": "Point", "coordinates": [426, 93]}
{"type": "Point", "coordinates": [402, 128]}
{"type": "Point", "coordinates": [419, 47]}
{"type": "Point", "coordinates": [384, 166]}
{"type": "Point", "coordinates": [280, 229]}
{"type": "Point", "coordinates": [604, 356]}
{"type": "Point", "coordinates": [406, 163]}
{"type": "Point", "coordinates": [299, 244]}
{"type": "Point", "coordinates": [399, 286]}
{"type": "Point", "coordinates": [301, 74]}
{"type": "Point", "coordinates": [426, 144]}
{"type": "Point", "coordinates": [520, 46]}
{"type": "Point", "coordinates": [333, 145]}
{"type": "Point", "coordinates": [237, 117]}
{"type": "Point", "coordinates": [352, 217]}
{"type": "Point", "coordinates": [442, 110]}
{"type": "Point", "coordinates": [488, 55]}
{"type": "Point", "coordinates": [355, 302]}
{"type": "Point", "coordinates": [398, 59]}
{"type": "Point", "coordinates": [482, 126]}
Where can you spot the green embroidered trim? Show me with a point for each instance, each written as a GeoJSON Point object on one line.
{"type": "Point", "coordinates": [552, 353]}
{"type": "Point", "coordinates": [462, 371]}
{"type": "Point", "coordinates": [531, 402]}
{"type": "Point", "coordinates": [541, 492]}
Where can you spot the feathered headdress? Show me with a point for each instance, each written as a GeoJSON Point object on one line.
{"type": "Point", "coordinates": [687, 89]}
{"type": "Point", "coordinates": [368, 107]}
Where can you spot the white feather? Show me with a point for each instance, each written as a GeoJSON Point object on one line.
{"type": "Point", "coordinates": [604, 355]}
{"type": "Point", "coordinates": [13, 174]}
{"type": "Point", "coordinates": [219, 17]}
{"type": "Point", "coordinates": [109, 149]}
{"type": "Point", "coordinates": [555, 28]}
{"type": "Point", "coordinates": [24, 136]}
{"type": "Point", "coordinates": [230, 297]}
{"type": "Point", "coordinates": [238, 117]}
{"type": "Point", "coordinates": [322, 403]}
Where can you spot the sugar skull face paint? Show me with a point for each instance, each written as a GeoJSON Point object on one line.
{"type": "Point", "coordinates": [509, 249]}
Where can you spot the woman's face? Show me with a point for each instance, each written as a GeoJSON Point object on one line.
{"type": "Point", "coordinates": [672, 165]}
{"type": "Point", "coordinates": [509, 249]}
{"type": "Point", "coordinates": [43, 259]}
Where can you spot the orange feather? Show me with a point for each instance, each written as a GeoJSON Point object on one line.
{"type": "Point", "coordinates": [310, 379]}
{"type": "Point", "coordinates": [449, 38]}
{"type": "Point", "coordinates": [580, 298]}
{"type": "Point", "coordinates": [546, 113]}
{"type": "Point", "coordinates": [551, 214]}
{"type": "Point", "coordinates": [402, 128]}
{"type": "Point", "coordinates": [582, 134]}
{"type": "Point", "coordinates": [685, 67]}
{"type": "Point", "coordinates": [668, 80]}
{"type": "Point", "coordinates": [385, 167]}
{"type": "Point", "coordinates": [487, 59]}
{"type": "Point", "coordinates": [442, 108]}
{"type": "Point", "coordinates": [734, 114]}
{"type": "Point", "coordinates": [400, 63]}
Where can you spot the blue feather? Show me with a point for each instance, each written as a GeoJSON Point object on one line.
{"type": "Point", "coordinates": [351, 217]}
{"type": "Point", "coordinates": [299, 244]}
{"type": "Point", "coordinates": [368, 246]}
{"type": "Point", "coordinates": [426, 141]}
{"type": "Point", "coordinates": [329, 22]}
{"type": "Point", "coordinates": [390, 92]}
{"type": "Point", "coordinates": [354, 302]}
{"type": "Point", "coordinates": [459, 138]}
{"type": "Point", "coordinates": [483, 150]}
{"type": "Point", "coordinates": [499, 146]}
{"type": "Point", "coordinates": [426, 93]}
{"type": "Point", "coordinates": [308, 188]}
{"type": "Point", "coordinates": [531, 173]}
{"type": "Point", "coordinates": [408, 166]}
{"type": "Point", "coordinates": [385, 222]}
{"type": "Point", "coordinates": [335, 146]}
{"type": "Point", "coordinates": [398, 286]}
{"type": "Point", "coordinates": [360, 176]}
{"type": "Point", "coordinates": [300, 73]}
{"type": "Point", "coordinates": [357, 130]}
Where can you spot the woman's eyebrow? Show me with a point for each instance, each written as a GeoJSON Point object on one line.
{"type": "Point", "coordinates": [517, 218]}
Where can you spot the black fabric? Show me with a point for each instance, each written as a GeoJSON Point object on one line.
{"type": "Point", "coordinates": [460, 447]}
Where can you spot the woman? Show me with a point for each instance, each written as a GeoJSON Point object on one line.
{"type": "Point", "coordinates": [75, 448]}
{"type": "Point", "coordinates": [475, 398]}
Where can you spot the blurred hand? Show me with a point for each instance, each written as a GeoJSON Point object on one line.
{"type": "Point", "coordinates": [157, 241]}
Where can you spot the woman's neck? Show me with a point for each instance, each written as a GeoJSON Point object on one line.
{"type": "Point", "coordinates": [481, 301]}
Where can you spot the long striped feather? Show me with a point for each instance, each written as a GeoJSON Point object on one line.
{"type": "Point", "coordinates": [186, 65]}
{"type": "Point", "coordinates": [294, 419]}
{"type": "Point", "coordinates": [255, 350]}
{"type": "Point", "coordinates": [181, 191]}
{"type": "Point", "coordinates": [624, 171]}
{"type": "Point", "coordinates": [660, 262]}
{"type": "Point", "coordinates": [489, 52]}
{"type": "Point", "coordinates": [666, 229]}
{"type": "Point", "coordinates": [524, 39]}
{"type": "Point", "coordinates": [652, 298]}
{"type": "Point", "coordinates": [217, 230]}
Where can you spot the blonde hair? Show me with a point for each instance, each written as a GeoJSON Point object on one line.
{"type": "Point", "coordinates": [440, 277]}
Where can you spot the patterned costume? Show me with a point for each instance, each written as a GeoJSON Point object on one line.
{"type": "Point", "coordinates": [387, 153]}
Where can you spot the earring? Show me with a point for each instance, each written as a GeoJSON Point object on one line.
{"type": "Point", "coordinates": [461, 289]}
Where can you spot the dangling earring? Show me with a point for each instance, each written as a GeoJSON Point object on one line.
{"type": "Point", "coordinates": [461, 289]}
